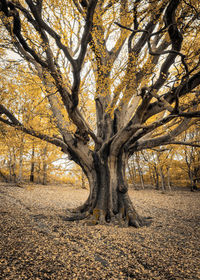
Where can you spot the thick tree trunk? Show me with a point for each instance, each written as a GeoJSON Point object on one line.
{"type": "Point", "coordinates": [108, 201]}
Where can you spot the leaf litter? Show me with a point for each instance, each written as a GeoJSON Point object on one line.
{"type": "Point", "coordinates": [36, 244]}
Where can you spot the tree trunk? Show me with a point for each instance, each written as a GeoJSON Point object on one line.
{"type": "Point", "coordinates": [44, 177]}
{"type": "Point", "coordinates": [151, 177]}
{"type": "Point", "coordinates": [132, 173]}
{"type": "Point", "coordinates": [168, 178]}
{"type": "Point", "coordinates": [140, 171]}
{"type": "Point", "coordinates": [21, 153]}
{"type": "Point", "coordinates": [108, 200]}
{"type": "Point", "coordinates": [162, 178]}
{"type": "Point", "coordinates": [156, 178]}
{"type": "Point", "coordinates": [12, 166]}
{"type": "Point", "coordinates": [32, 165]}
{"type": "Point", "coordinates": [44, 169]}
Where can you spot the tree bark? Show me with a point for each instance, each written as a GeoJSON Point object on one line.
{"type": "Point", "coordinates": [32, 165]}
{"type": "Point", "coordinates": [140, 171]}
{"type": "Point", "coordinates": [12, 166]}
{"type": "Point", "coordinates": [168, 179]}
{"type": "Point", "coordinates": [132, 173]}
{"type": "Point", "coordinates": [108, 200]}
{"type": "Point", "coordinates": [21, 153]}
{"type": "Point", "coordinates": [162, 178]}
{"type": "Point", "coordinates": [44, 166]}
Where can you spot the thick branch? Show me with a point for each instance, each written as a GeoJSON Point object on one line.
{"type": "Point", "coordinates": [195, 114]}
{"type": "Point", "coordinates": [11, 11]}
{"type": "Point", "coordinates": [84, 43]}
{"type": "Point", "coordinates": [170, 96]}
{"type": "Point", "coordinates": [162, 140]}
{"type": "Point", "coordinates": [192, 144]}
{"type": "Point", "coordinates": [157, 53]}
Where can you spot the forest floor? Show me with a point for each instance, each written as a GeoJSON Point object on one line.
{"type": "Point", "coordinates": [36, 244]}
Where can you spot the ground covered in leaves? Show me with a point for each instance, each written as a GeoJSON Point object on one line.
{"type": "Point", "coordinates": [36, 244]}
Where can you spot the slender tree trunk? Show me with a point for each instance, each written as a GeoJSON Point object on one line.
{"type": "Point", "coordinates": [156, 176]}
{"type": "Point", "coordinates": [168, 178]}
{"type": "Point", "coordinates": [9, 166]}
{"type": "Point", "coordinates": [190, 176]}
{"type": "Point", "coordinates": [12, 166]}
{"type": "Point", "coordinates": [21, 152]}
{"type": "Point", "coordinates": [38, 172]}
{"type": "Point", "coordinates": [140, 171]}
{"type": "Point", "coordinates": [151, 177]}
{"type": "Point", "coordinates": [32, 164]}
{"type": "Point", "coordinates": [132, 173]}
{"type": "Point", "coordinates": [44, 171]}
{"type": "Point", "coordinates": [162, 179]}
{"type": "Point", "coordinates": [44, 179]}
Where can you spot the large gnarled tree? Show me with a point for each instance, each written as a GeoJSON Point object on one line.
{"type": "Point", "coordinates": [136, 61]}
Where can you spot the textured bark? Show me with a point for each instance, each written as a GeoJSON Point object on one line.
{"type": "Point", "coordinates": [108, 201]}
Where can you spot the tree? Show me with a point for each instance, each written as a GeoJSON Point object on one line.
{"type": "Point", "coordinates": [160, 161]}
{"type": "Point", "coordinates": [136, 63]}
{"type": "Point", "coordinates": [191, 156]}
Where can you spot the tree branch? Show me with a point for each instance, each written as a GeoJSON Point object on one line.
{"type": "Point", "coordinates": [162, 140]}
{"type": "Point", "coordinates": [170, 96]}
{"type": "Point", "coordinates": [17, 125]}
{"type": "Point", "coordinates": [15, 31]}
{"type": "Point", "coordinates": [84, 43]}
{"type": "Point", "coordinates": [192, 144]}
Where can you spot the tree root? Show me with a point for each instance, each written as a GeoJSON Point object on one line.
{"type": "Point", "coordinates": [96, 216]}
{"type": "Point", "coordinates": [75, 216]}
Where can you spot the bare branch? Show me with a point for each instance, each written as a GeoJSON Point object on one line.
{"type": "Point", "coordinates": [192, 144]}
{"type": "Point", "coordinates": [170, 96]}
{"type": "Point", "coordinates": [195, 114]}
{"type": "Point", "coordinates": [15, 31]}
{"type": "Point", "coordinates": [19, 126]}
{"type": "Point", "coordinates": [84, 43]}
{"type": "Point", "coordinates": [162, 140]}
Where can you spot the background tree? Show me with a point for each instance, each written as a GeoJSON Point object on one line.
{"type": "Point", "coordinates": [191, 156]}
{"type": "Point", "coordinates": [140, 62]}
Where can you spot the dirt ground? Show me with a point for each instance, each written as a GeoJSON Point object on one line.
{"type": "Point", "coordinates": [36, 244]}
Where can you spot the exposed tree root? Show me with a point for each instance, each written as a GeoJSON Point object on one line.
{"type": "Point", "coordinates": [71, 215]}
{"type": "Point", "coordinates": [97, 216]}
